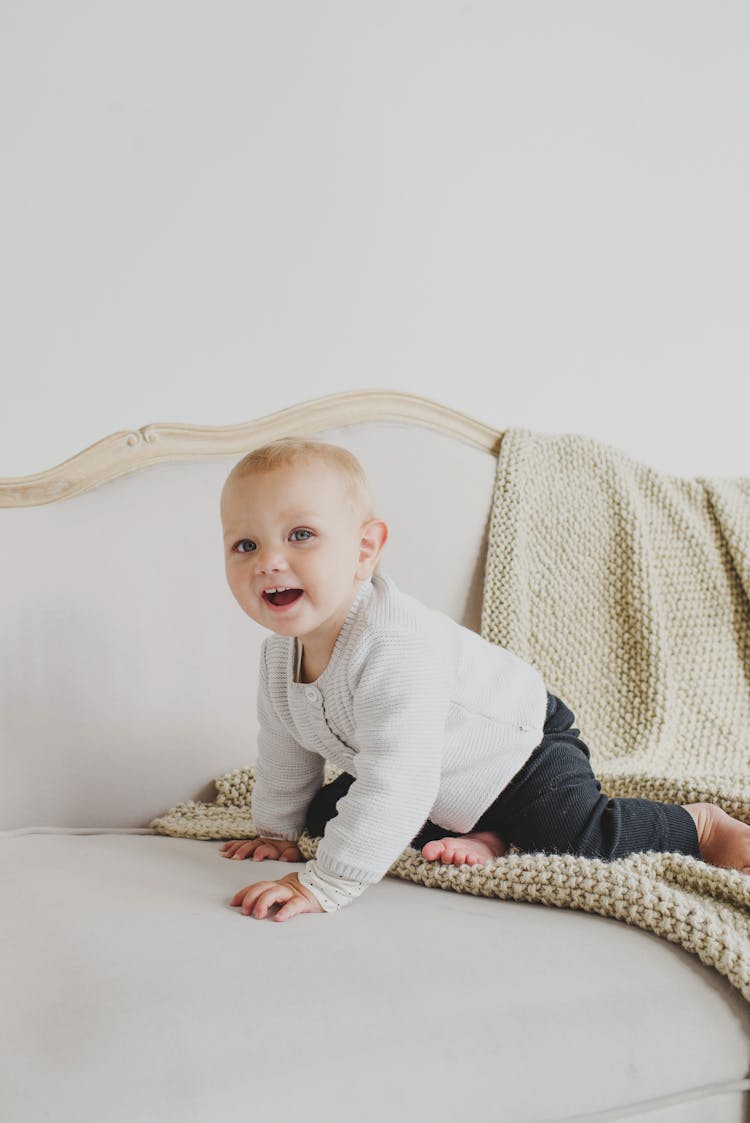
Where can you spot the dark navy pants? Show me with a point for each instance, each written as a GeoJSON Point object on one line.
{"type": "Point", "coordinates": [555, 804]}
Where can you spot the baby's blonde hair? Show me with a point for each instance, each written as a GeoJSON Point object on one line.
{"type": "Point", "coordinates": [288, 451]}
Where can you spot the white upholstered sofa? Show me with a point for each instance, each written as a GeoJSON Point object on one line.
{"type": "Point", "coordinates": [131, 991]}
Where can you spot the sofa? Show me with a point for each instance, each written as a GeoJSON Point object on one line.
{"type": "Point", "coordinates": [133, 992]}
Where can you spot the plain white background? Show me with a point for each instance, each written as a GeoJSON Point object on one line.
{"type": "Point", "coordinates": [536, 212]}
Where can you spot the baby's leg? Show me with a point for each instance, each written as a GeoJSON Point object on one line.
{"type": "Point", "coordinates": [723, 841]}
{"type": "Point", "coordinates": [479, 846]}
{"type": "Point", "coordinates": [555, 805]}
{"type": "Point", "coordinates": [323, 804]}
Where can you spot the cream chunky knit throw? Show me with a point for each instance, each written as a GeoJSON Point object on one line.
{"type": "Point", "coordinates": [629, 590]}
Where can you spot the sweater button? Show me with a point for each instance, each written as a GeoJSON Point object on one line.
{"type": "Point", "coordinates": [312, 694]}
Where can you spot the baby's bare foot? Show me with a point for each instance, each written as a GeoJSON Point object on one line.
{"type": "Point", "coordinates": [469, 849]}
{"type": "Point", "coordinates": [723, 841]}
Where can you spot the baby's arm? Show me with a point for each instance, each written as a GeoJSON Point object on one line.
{"type": "Point", "coordinates": [400, 711]}
{"type": "Point", "coordinates": [287, 775]}
{"type": "Point", "coordinates": [286, 778]}
{"type": "Point", "coordinates": [400, 708]}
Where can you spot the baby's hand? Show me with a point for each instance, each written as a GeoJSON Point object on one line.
{"type": "Point", "coordinates": [257, 899]}
{"type": "Point", "coordinates": [276, 849]}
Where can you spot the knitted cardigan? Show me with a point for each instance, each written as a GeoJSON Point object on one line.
{"type": "Point", "coordinates": [407, 693]}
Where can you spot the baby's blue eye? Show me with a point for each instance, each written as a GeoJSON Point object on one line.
{"type": "Point", "coordinates": [244, 542]}
{"type": "Point", "coordinates": [301, 532]}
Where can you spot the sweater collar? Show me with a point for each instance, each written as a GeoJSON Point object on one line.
{"type": "Point", "coordinates": [361, 597]}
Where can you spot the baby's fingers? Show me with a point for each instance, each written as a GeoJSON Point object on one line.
{"type": "Point", "coordinates": [292, 908]}
{"type": "Point", "coordinates": [239, 848]}
{"type": "Point", "coordinates": [257, 899]}
{"type": "Point", "coordinates": [247, 896]}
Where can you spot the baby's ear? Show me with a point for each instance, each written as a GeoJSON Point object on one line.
{"type": "Point", "coordinates": [374, 538]}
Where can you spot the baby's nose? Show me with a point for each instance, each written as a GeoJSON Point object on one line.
{"type": "Point", "coordinates": [270, 561]}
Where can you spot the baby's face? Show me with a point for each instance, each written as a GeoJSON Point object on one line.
{"type": "Point", "coordinates": [294, 528]}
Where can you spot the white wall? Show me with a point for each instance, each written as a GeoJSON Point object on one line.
{"type": "Point", "coordinates": [536, 212]}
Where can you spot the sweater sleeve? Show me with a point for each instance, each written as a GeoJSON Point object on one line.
{"type": "Point", "coordinates": [287, 775]}
{"type": "Point", "coordinates": [400, 705]}
{"type": "Point", "coordinates": [332, 893]}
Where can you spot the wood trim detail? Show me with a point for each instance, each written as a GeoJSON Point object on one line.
{"type": "Point", "coordinates": [128, 451]}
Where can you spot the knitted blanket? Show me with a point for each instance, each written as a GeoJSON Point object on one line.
{"type": "Point", "coordinates": [629, 590]}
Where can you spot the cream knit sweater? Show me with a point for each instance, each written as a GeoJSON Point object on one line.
{"type": "Point", "coordinates": [431, 720]}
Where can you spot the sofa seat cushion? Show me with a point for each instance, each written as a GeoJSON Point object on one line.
{"type": "Point", "coordinates": [132, 991]}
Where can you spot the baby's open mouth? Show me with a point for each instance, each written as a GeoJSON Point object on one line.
{"type": "Point", "coordinates": [281, 597]}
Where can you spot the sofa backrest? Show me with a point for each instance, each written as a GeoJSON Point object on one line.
{"type": "Point", "coordinates": [128, 672]}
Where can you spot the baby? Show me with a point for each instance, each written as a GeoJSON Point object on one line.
{"type": "Point", "coordinates": [446, 742]}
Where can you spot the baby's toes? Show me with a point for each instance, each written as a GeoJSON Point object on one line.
{"type": "Point", "coordinates": [448, 856]}
{"type": "Point", "coordinates": [462, 856]}
{"type": "Point", "coordinates": [452, 853]}
{"type": "Point", "coordinates": [432, 851]}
